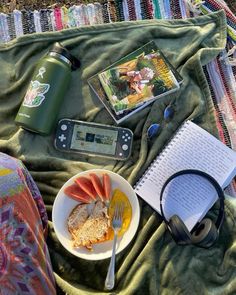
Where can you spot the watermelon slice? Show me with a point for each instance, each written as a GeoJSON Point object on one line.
{"type": "Point", "coordinates": [75, 192]}
{"type": "Point", "coordinates": [86, 185]}
{"type": "Point", "coordinates": [107, 186]}
{"type": "Point", "coordinates": [97, 185]}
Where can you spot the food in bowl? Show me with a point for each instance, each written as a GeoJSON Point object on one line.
{"type": "Point", "coordinates": [89, 222]}
{"type": "Point", "coordinates": [89, 228]}
{"type": "Point", "coordinates": [119, 196]}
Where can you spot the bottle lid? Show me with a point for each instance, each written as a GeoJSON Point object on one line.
{"type": "Point", "coordinates": [59, 49]}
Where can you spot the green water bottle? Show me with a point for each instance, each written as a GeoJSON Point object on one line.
{"type": "Point", "coordinates": [42, 101]}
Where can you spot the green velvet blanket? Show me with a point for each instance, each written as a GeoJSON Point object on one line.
{"type": "Point", "coordinates": [152, 263]}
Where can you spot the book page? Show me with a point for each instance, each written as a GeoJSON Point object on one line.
{"type": "Point", "coordinates": [191, 148]}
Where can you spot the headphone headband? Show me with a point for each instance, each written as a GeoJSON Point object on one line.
{"type": "Point", "coordinates": [208, 177]}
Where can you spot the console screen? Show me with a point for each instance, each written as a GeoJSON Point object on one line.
{"type": "Point", "coordinates": [93, 139]}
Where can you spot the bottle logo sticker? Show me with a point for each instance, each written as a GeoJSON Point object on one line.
{"type": "Point", "coordinates": [42, 70]}
{"type": "Point", "coordinates": [35, 94]}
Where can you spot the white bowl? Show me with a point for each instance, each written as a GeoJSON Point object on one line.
{"type": "Point", "coordinates": [63, 206]}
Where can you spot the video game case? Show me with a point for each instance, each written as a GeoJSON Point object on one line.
{"type": "Point", "coordinates": [119, 116]}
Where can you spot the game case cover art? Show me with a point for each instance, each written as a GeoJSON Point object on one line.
{"type": "Point", "coordinates": [142, 78]}
{"type": "Point", "coordinates": [163, 85]}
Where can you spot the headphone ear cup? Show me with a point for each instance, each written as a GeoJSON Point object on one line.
{"type": "Point", "coordinates": [206, 234]}
{"type": "Point", "coordinates": [179, 231]}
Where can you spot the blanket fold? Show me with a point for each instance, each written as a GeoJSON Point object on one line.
{"type": "Point", "coordinates": [152, 263]}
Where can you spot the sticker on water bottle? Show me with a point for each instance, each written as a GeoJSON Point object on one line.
{"type": "Point", "coordinates": [35, 94]}
{"type": "Point", "coordinates": [42, 70]}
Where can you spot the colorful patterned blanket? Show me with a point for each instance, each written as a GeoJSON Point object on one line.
{"type": "Point", "coordinates": [152, 263]}
{"type": "Point", "coordinates": [25, 266]}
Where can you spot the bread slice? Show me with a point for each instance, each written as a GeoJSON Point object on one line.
{"type": "Point", "coordinates": [86, 229]}
{"type": "Point", "coordinates": [77, 218]}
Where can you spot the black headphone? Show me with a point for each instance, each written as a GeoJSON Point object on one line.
{"type": "Point", "coordinates": [205, 233]}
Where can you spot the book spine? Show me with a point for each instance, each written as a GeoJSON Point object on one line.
{"type": "Point", "coordinates": [154, 163]}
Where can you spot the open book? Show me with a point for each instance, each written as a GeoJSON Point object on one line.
{"type": "Point", "coordinates": [191, 147]}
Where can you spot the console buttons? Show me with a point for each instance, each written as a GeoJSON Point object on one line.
{"type": "Point", "coordinates": [62, 137]}
{"type": "Point", "coordinates": [63, 127]}
{"type": "Point", "coordinates": [126, 136]}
